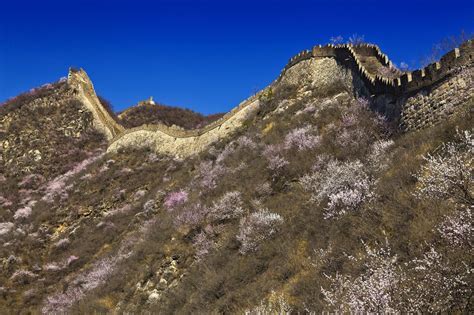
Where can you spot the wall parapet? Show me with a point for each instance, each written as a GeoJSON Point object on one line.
{"type": "Point", "coordinates": [406, 82]}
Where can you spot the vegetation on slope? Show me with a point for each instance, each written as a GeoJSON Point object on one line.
{"type": "Point", "coordinates": [317, 204]}
{"type": "Point", "coordinates": [168, 115]}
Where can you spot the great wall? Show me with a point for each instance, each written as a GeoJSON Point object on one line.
{"type": "Point", "coordinates": [415, 99]}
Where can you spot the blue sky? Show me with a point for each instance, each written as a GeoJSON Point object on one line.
{"type": "Point", "coordinates": [201, 54]}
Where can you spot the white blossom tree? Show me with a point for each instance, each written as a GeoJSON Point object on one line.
{"type": "Point", "coordinates": [449, 174]}
{"type": "Point", "coordinates": [257, 227]}
{"type": "Point", "coordinates": [345, 185]}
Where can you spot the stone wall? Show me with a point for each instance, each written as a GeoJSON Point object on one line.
{"type": "Point", "coordinates": [325, 76]}
{"type": "Point", "coordinates": [183, 143]}
{"type": "Point", "coordinates": [433, 104]}
{"type": "Point", "coordinates": [433, 73]}
{"type": "Point", "coordinates": [79, 81]}
{"type": "Point", "coordinates": [421, 97]}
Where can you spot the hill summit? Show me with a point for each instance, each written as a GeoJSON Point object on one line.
{"type": "Point", "coordinates": [346, 185]}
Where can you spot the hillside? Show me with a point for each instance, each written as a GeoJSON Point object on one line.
{"type": "Point", "coordinates": [168, 115]}
{"type": "Point", "coordinates": [344, 186]}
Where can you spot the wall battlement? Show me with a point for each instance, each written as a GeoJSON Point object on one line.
{"type": "Point", "coordinates": [407, 82]}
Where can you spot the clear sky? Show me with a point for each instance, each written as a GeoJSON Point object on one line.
{"type": "Point", "coordinates": [201, 54]}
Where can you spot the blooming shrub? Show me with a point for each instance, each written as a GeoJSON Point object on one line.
{"type": "Point", "coordinates": [191, 215]}
{"type": "Point", "coordinates": [208, 173]}
{"type": "Point", "coordinates": [58, 187]}
{"type": "Point", "coordinates": [246, 142]}
{"type": "Point", "coordinates": [203, 245]}
{"type": "Point", "coordinates": [301, 138]}
{"type": "Point", "coordinates": [372, 291]}
{"type": "Point", "coordinates": [431, 284]}
{"type": "Point", "coordinates": [174, 199]}
{"type": "Point", "coordinates": [6, 227]}
{"type": "Point", "coordinates": [378, 159]}
{"type": "Point", "coordinates": [229, 206]}
{"type": "Point", "coordinates": [345, 186]}
{"type": "Point", "coordinates": [5, 202]}
{"type": "Point", "coordinates": [85, 282]}
{"type": "Point", "coordinates": [350, 138]}
{"type": "Point", "coordinates": [352, 132]}
{"type": "Point", "coordinates": [264, 189]}
{"type": "Point", "coordinates": [22, 213]}
{"type": "Point", "coordinates": [457, 229]}
{"type": "Point", "coordinates": [204, 241]}
{"type": "Point", "coordinates": [274, 304]}
{"type": "Point", "coordinates": [256, 228]}
{"type": "Point", "coordinates": [274, 157]}
{"type": "Point", "coordinates": [228, 150]}
{"type": "Point", "coordinates": [449, 174]}
{"type": "Point", "coordinates": [349, 119]}
{"type": "Point", "coordinates": [436, 284]}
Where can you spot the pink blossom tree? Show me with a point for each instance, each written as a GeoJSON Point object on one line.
{"type": "Point", "coordinates": [174, 199]}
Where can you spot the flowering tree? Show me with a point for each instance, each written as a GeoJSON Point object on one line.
{"type": "Point", "coordinates": [58, 186]}
{"type": "Point", "coordinates": [449, 174]}
{"type": "Point", "coordinates": [229, 206]}
{"type": "Point", "coordinates": [6, 227]}
{"type": "Point", "coordinates": [457, 228]}
{"type": "Point", "coordinates": [246, 142]}
{"type": "Point", "coordinates": [436, 284]}
{"type": "Point", "coordinates": [274, 157]}
{"type": "Point", "coordinates": [372, 291]}
{"type": "Point", "coordinates": [205, 240]}
{"type": "Point", "coordinates": [378, 157]}
{"type": "Point", "coordinates": [274, 304]}
{"type": "Point", "coordinates": [24, 212]}
{"type": "Point", "coordinates": [336, 39]}
{"type": "Point", "coordinates": [208, 173]}
{"type": "Point", "coordinates": [256, 228]}
{"type": "Point", "coordinates": [430, 284]}
{"type": "Point", "coordinates": [174, 199]}
{"type": "Point", "coordinates": [345, 185]}
{"type": "Point", "coordinates": [356, 39]}
{"type": "Point", "coordinates": [302, 139]}
{"type": "Point", "coordinates": [191, 215]}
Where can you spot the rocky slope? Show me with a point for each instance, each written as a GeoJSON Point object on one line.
{"type": "Point", "coordinates": [308, 200]}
